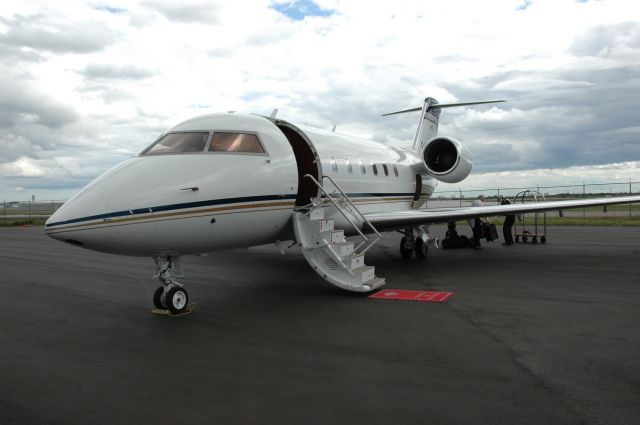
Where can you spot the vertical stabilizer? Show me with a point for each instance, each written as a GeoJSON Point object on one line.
{"type": "Point", "coordinates": [428, 123]}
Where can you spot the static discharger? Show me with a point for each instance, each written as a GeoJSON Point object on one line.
{"type": "Point", "coordinates": [396, 294]}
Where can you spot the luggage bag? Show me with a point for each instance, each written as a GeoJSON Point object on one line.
{"type": "Point", "coordinates": [490, 232]}
{"type": "Point", "coordinates": [455, 242]}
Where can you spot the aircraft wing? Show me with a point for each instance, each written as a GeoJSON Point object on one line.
{"type": "Point", "coordinates": [396, 220]}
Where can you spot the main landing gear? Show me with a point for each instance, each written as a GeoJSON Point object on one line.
{"type": "Point", "coordinates": [171, 295]}
{"type": "Point", "coordinates": [418, 245]}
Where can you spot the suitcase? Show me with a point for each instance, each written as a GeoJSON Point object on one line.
{"type": "Point", "coordinates": [490, 232]}
{"type": "Point", "coordinates": [455, 242]}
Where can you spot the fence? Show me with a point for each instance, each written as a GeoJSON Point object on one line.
{"type": "Point", "coordinates": [463, 197]}
{"type": "Point", "coordinates": [27, 212]}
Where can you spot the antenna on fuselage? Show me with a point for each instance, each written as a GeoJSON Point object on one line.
{"type": "Point", "coordinates": [274, 113]}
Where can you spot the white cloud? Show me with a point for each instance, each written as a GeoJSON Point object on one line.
{"type": "Point", "coordinates": [535, 83]}
{"type": "Point", "coordinates": [92, 81]}
{"type": "Point", "coordinates": [113, 71]}
{"type": "Point", "coordinates": [23, 167]}
{"type": "Point", "coordinates": [203, 12]}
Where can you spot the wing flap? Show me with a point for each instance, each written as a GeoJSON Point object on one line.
{"type": "Point", "coordinates": [393, 220]}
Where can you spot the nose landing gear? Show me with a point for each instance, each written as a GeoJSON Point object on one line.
{"type": "Point", "coordinates": [172, 295]}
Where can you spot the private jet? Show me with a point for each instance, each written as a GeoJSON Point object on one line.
{"type": "Point", "coordinates": [234, 180]}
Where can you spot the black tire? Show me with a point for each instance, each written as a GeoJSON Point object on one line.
{"type": "Point", "coordinates": [524, 239]}
{"type": "Point", "coordinates": [517, 239]}
{"type": "Point", "coordinates": [177, 300]}
{"type": "Point", "coordinates": [421, 249]}
{"type": "Point", "coordinates": [534, 240]}
{"type": "Point", "coordinates": [157, 298]}
{"type": "Point", "coordinates": [543, 239]}
{"type": "Point", "coordinates": [405, 252]}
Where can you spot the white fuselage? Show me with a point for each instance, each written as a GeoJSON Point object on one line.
{"type": "Point", "coordinates": [149, 204]}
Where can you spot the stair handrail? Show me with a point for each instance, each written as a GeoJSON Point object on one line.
{"type": "Point", "coordinates": [354, 208]}
{"type": "Point", "coordinates": [317, 183]}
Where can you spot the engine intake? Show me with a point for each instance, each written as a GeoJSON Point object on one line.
{"type": "Point", "coordinates": [446, 159]}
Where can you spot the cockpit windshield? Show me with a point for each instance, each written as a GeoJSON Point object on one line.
{"type": "Point", "coordinates": [236, 142]}
{"type": "Point", "coordinates": [198, 142]}
{"type": "Point", "coordinates": [179, 143]}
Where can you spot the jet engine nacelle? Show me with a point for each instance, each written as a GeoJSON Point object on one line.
{"type": "Point", "coordinates": [446, 159]}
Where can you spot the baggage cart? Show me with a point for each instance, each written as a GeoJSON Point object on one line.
{"type": "Point", "coordinates": [524, 231]}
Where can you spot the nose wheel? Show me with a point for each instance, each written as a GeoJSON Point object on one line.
{"type": "Point", "coordinates": [159, 298]}
{"type": "Point", "coordinates": [177, 300]}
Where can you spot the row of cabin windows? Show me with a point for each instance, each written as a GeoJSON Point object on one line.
{"type": "Point", "coordinates": [363, 168]}
{"type": "Point", "coordinates": [198, 141]}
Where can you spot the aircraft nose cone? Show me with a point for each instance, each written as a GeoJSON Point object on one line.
{"type": "Point", "coordinates": [73, 221]}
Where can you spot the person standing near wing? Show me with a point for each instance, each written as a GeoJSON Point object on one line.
{"type": "Point", "coordinates": [508, 223]}
{"type": "Point", "coordinates": [477, 223]}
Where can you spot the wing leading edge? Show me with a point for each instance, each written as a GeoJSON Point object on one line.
{"type": "Point", "coordinates": [395, 220]}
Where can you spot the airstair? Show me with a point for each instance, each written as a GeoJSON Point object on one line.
{"type": "Point", "coordinates": [336, 259]}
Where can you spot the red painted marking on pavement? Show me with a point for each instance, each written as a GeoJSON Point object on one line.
{"type": "Point", "coordinates": [397, 294]}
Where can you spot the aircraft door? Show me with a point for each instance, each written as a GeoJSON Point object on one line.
{"type": "Point", "coordinates": [307, 161]}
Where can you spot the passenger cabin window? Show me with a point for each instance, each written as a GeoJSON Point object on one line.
{"type": "Point", "coordinates": [375, 169]}
{"type": "Point", "coordinates": [395, 170]}
{"type": "Point", "coordinates": [186, 142]}
{"type": "Point", "coordinates": [349, 167]}
{"type": "Point", "coordinates": [236, 142]}
{"type": "Point", "coordinates": [363, 169]}
{"type": "Point", "coordinates": [386, 170]}
{"type": "Point", "coordinates": [334, 164]}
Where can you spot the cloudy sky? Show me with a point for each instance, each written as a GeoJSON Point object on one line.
{"type": "Point", "coordinates": [86, 84]}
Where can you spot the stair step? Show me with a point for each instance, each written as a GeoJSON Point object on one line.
{"type": "Point", "coordinates": [324, 225]}
{"type": "Point", "coordinates": [317, 214]}
{"type": "Point", "coordinates": [374, 283]}
{"type": "Point", "coordinates": [333, 236]}
{"type": "Point", "coordinates": [355, 261]}
{"type": "Point", "coordinates": [345, 249]}
{"type": "Point", "coordinates": [365, 273]}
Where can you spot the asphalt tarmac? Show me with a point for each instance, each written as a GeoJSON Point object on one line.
{"type": "Point", "coordinates": [535, 334]}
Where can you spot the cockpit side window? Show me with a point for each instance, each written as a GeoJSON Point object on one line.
{"type": "Point", "coordinates": [236, 142]}
{"type": "Point", "coordinates": [185, 142]}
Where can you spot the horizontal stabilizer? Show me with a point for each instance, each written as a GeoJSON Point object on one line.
{"type": "Point", "coordinates": [451, 105]}
{"type": "Point", "coordinates": [419, 108]}
{"type": "Point", "coordinates": [444, 105]}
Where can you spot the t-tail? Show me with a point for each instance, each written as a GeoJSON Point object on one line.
{"type": "Point", "coordinates": [444, 158]}
{"type": "Point", "coordinates": [429, 117]}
